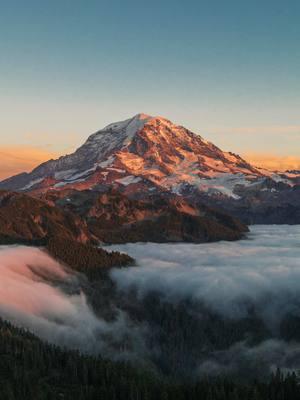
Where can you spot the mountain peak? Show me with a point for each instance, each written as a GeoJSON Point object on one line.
{"type": "Point", "coordinates": [147, 117]}
{"type": "Point", "coordinates": [126, 128]}
{"type": "Point", "coordinates": [129, 127]}
{"type": "Point", "coordinates": [143, 116]}
{"type": "Point", "coordinates": [143, 150]}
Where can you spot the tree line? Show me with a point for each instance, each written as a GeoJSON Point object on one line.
{"type": "Point", "coordinates": [31, 369]}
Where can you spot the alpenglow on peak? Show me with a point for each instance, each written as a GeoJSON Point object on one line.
{"type": "Point", "coordinates": [144, 153]}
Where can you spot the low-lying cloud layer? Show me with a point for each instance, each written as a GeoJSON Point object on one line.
{"type": "Point", "coordinates": [39, 294]}
{"type": "Point", "coordinates": [259, 277]}
{"type": "Point", "coordinates": [228, 307]}
{"type": "Point", "coordinates": [227, 276]}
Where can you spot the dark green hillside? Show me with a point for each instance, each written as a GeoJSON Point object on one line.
{"type": "Point", "coordinates": [86, 258]}
{"type": "Point", "coordinates": [30, 369]}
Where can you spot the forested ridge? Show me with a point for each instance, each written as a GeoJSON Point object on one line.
{"type": "Point", "coordinates": [31, 369]}
{"type": "Point", "coordinates": [86, 258]}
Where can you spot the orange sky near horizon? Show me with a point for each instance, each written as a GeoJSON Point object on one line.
{"type": "Point", "coordinates": [273, 162]}
{"type": "Point", "coordinates": [17, 159]}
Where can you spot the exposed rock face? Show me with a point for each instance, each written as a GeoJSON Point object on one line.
{"type": "Point", "coordinates": [24, 219]}
{"type": "Point", "coordinates": [114, 218]}
{"type": "Point", "coordinates": [280, 206]}
{"type": "Point", "coordinates": [92, 217]}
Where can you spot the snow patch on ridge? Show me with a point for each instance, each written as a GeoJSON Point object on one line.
{"type": "Point", "coordinates": [128, 127]}
{"type": "Point", "coordinates": [107, 163]}
{"type": "Point", "coordinates": [223, 183]}
{"type": "Point", "coordinates": [64, 174]}
{"type": "Point", "coordinates": [32, 183]}
{"type": "Point", "coordinates": [128, 180]}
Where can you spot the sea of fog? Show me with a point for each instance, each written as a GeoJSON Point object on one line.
{"type": "Point", "coordinates": [263, 269]}
{"type": "Point", "coordinates": [260, 272]}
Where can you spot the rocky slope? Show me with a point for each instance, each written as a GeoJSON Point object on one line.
{"type": "Point", "coordinates": [112, 217]}
{"type": "Point", "coordinates": [59, 219]}
{"type": "Point", "coordinates": [24, 219]}
{"type": "Point", "coordinates": [277, 206]}
{"type": "Point", "coordinates": [30, 221]}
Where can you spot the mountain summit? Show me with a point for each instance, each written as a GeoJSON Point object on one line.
{"type": "Point", "coordinates": [145, 153]}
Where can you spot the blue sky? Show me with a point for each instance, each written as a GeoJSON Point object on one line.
{"type": "Point", "coordinates": [226, 69]}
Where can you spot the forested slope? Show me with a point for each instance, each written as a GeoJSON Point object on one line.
{"type": "Point", "coordinates": [30, 369]}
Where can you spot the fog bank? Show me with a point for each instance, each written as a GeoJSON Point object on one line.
{"type": "Point", "coordinates": [263, 270]}
{"type": "Point", "coordinates": [253, 285]}
{"type": "Point", "coordinates": [219, 308]}
{"type": "Point", "coordinates": [39, 294]}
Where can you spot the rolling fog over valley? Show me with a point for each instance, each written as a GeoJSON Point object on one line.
{"type": "Point", "coordinates": [226, 276]}
{"type": "Point", "coordinates": [247, 291]}
{"type": "Point", "coordinates": [185, 310]}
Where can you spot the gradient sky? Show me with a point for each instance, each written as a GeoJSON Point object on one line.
{"type": "Point", "coordinates": [226, 69]}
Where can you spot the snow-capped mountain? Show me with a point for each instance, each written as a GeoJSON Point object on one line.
{"type": "Point", "coordinates": [147, 153]}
